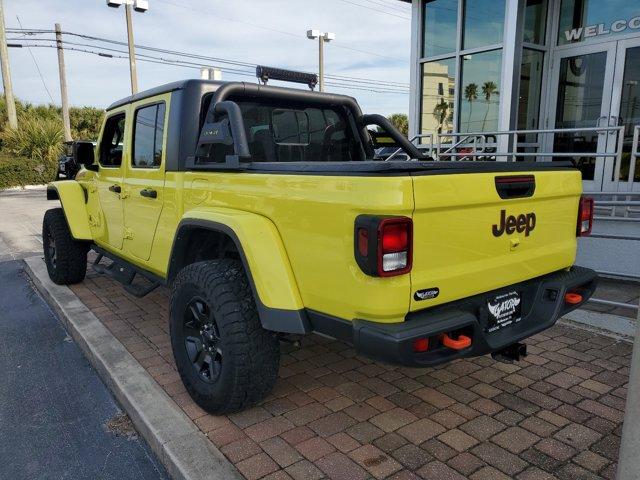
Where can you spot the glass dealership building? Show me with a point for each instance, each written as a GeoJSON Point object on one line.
{"type": "Point", "coordinates": [498, 65]}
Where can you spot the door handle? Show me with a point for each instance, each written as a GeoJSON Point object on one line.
{"type": "Point", "coordinates": [605, 118]}
{"type": "Point", "coordinates": [149, 193]}
{"type": "Point", "coordinates": [115, 188]}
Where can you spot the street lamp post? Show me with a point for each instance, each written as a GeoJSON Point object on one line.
{"type": "Point", "coordinates": [322, 37]}
{"type": "Point", "coordinates": [138, 6]}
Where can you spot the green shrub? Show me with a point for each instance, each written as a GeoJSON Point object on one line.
{"type": "Point", "coordinates": [401, 122]}
{"type": "Point", "coordinates": [85, 121]}
{"type": "Point", "coordinates": [36, 138]}
{"type": "Point", "coordinates": [29, 154]}
{"type": "Point", "coordinates": [18, 171]}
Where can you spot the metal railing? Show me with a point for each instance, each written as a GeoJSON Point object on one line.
{"type": "Point", "coordinates": [479, 144]}
{"type": "Point", "coordinates": [615, 204]}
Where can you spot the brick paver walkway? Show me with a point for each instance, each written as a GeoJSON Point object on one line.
{"type": "Point", "coordinates": [333, 414]}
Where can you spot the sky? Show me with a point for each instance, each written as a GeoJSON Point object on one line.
{"type": "Point", "coordinates": [372, 42]}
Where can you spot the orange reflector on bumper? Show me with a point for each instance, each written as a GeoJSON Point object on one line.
{"type": "Point", "coordinates": [572, 298]}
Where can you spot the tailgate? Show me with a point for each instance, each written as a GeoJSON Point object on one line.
{"type": "Point", "coordinates": [469, 240]}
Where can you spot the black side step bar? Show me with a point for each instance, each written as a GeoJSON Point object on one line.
{"type": "Point", "coordinates": [125, 273]}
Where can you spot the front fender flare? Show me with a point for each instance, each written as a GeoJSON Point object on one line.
{"type": "Point", "coordinates": [73, 199]}
{"type": "Point", "coordinates": [265, 259]}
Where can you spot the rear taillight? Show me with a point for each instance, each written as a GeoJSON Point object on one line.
{"type": "Point", "coordinates": [394, 246]}
{"type": "Point", "coordinates": [421, 345]}
{"type": "Point", "coordinates": [585, 217]}
{"type": "Point", "coordinates": [383, 245]}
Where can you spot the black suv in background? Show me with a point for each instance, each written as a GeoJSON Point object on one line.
{"type": "Point", "coordinates": [67, 166]}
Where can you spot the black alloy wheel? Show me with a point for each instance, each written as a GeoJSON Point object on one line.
{"type": "Point", "coordinates": [202, 340]}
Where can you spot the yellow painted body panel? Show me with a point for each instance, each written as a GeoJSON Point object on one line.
{"type": "Point", "coordinates": [297, 234]}
{"type": "Point", "coordinates": [264, 252]}
{"type": "Point", "coordinates": [142, 214]}
{"type": "Point", "coordinates": [455, 249]}
{"type": "Point", "coordinates": [297, 231]}
{"type": "Point", "coordinates": [314, 217]}
{"type": "Point", "coordinates": [106, 208]}
{"type": "Point", "coordinates": [73, 203]}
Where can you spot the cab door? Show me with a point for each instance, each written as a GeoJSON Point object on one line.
{"type": "Point", "coordinates": [112, 155]}
{"type": "Point", "coordinates": [144, 175]}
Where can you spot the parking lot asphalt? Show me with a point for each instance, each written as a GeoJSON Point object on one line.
{"type": "Point", "coordinates": [57, 419]}
{"type": "Point", "coordinates": [21, 214]}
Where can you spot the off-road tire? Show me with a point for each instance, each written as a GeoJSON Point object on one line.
{"type": "Point", "coordinates": [66, 258]}
{"type": "Point", "coordinates": [250, 355]}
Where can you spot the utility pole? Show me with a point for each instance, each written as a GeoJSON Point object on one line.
{"type": "Point", "coordinates": [138, 6]}
{"type": "Point", "coordinates": [322, 38]}
{"type": "Point", "coordinates": [6, 73]}
{"type": "Point", "coordinates": [66, 121]}
{"type": "Point", "coordinates": [132, 52]}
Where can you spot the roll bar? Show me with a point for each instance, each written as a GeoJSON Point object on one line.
{"type": "Point", "coordinates": [220, 103]}
{"type": "Point", "coordinates": [236, 123]}
{"type": "Point", "coordinates": [404, 143]}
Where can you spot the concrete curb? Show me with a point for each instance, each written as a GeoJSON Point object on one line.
{"type": "Point", "coordinates": [181, 447]}
{"type": "Point", "coordinates": [603, 323]}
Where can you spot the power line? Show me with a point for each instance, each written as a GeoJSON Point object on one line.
{"type": "Point", "coordinates": [404, 17]}
{"type": "Point", "coordinates": [375, 83]}
{"type": "Point", "coordinates": [364, 83]}
{"type": "Point", "coordinates": [275, 30]}
{"type": "Point", "coordinates": [44, 84]}
{"type": "Point", "coordinates": [184, 64]}
{"type": "Point", "coordinates": [208, 58]}
{"type": "Point", "coordinates": [392, 6]}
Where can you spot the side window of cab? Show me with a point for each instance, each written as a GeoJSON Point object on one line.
{"type": "Point", "coordinates": [148, 136]}
{"type": "Point", "coordinates": [111, 145]}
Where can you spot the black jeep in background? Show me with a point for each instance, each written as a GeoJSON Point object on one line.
{"type": "Point", "coordinates": [67, 166]}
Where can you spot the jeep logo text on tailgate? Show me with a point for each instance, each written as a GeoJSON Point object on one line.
{"type": "Point", "coordinates": [522, 223]}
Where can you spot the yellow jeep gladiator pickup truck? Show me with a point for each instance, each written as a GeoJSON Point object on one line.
{"type": "Point", "coordinates": [266, 212]}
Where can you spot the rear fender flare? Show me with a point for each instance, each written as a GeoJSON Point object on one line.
{"type": "Point", "coordinates": [264, 258]}
{"type": "Point", "coordinates": [74, 205]}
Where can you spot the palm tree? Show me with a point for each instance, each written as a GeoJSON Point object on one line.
{"type": "Point", "coordinates": [488, 90]}
{"type": "Point", "coordinates": [471, 95]}
{"type": "Point", "coordinates": [441, 113]}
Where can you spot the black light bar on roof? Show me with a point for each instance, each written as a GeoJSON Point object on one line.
{"type": "Point", "coordinates": [271, 73]}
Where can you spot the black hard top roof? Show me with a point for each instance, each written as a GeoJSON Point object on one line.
{"type": "Point", "coordinates": [196, 84]}
{"type": "Point", "coordinates": [167, 87]}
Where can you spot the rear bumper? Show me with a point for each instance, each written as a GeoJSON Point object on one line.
{"type": "Point", "coordinates": [542, 304]}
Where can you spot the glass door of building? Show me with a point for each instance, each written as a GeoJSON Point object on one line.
{"type": "Point", "coordinates": [581, 99]}
{"type": "Point", "coordinates": [625, 111]}
{"type": "Point", "coordinates": [598, 86]}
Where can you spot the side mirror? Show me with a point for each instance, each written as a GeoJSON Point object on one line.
{"type": "Point", "coordinates": [83, 154]}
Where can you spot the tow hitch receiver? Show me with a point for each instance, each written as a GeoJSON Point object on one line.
{"type": "Point", "coordinates": [511, 353]}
